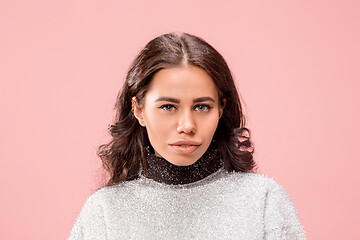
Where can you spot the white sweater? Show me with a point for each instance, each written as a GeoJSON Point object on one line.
{"type": "Point", "coordinates": [223, 205]}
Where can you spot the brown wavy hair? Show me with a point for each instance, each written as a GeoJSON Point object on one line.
{"type": "Point", "coordinates": [124, 156]}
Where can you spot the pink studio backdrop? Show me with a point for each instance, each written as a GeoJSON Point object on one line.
{"type": "Point", "coordinates": [62, 63]}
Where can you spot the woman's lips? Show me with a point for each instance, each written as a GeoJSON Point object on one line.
{"type": "Point", "coordinates": [185, 147]}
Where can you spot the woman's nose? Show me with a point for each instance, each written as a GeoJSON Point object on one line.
{"type": "Point", "coordinates": [186, 123]}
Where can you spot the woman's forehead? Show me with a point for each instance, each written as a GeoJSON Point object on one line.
{"type": "Point", "coordinates": [183, 82]}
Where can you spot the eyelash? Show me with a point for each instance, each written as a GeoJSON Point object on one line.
{"type": "Point", "coordinates": [166, 107]}
{"type": "Point", "coordinates": [207, 107]}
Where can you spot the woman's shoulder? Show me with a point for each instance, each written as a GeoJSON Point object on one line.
{"type": "Point", "coordinates": [281, 220]}
{"type": "Point", "coordinates": [255, 181]}
{"type": "Point", "coordinates": [108, 194]}
{"type": "Point", "coordinates": [253, 178]}
{"type": "Point", "coordinates": [92, 214]}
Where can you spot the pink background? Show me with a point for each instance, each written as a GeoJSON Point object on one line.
{"type": "Point", "coordinates": [62, 63]}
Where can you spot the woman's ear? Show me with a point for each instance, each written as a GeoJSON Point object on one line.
{"type": "Point", "coordinates": [138, 111]}
{"type": "Point", "coordinates": [222, 106]}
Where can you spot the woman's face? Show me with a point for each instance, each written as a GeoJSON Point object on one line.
{"type": "Point", "coordinates": [180, 112]}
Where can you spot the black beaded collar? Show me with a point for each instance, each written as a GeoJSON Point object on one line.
{"type": "Point", "coordinates": [161, 170]}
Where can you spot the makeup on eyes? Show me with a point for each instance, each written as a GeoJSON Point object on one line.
{"type": "Point", "coordinates": [197, 107]}
{"type": "Point", "coordinates": [202, 107]}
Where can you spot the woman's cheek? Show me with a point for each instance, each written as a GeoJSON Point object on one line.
{"type": "Point", "coordinates": [209, 121]}
{"type": "Point", "coordinates": [158, 123]}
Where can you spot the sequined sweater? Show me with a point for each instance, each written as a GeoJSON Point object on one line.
{"type": "Point", "coordinates": [215, 204]}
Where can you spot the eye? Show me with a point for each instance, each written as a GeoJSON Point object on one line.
{"type": "Point", "coordinates": [168, 107]}
{"type": "Point", "coordinates": [202, 108]}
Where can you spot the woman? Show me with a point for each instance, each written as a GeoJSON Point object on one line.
{"type": "Point", "coordinates": [180, 160]}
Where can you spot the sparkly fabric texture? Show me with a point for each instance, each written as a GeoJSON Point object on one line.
{"type": "Point", "coordinates": [161, 170]}
{"type": "Point", "coordinates": [222, 205]}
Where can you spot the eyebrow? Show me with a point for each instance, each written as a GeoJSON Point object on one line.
{"type": "Point", "coordinates": [174, 100]}
{"type": "Point", "coordinates": [203, 99]}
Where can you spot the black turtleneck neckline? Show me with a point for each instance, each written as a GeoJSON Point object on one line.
{"type": "Point", "coordinates": [161, 170]}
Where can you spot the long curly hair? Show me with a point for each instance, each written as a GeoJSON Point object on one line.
{"type": "Point", "coordinates": [124, 156]}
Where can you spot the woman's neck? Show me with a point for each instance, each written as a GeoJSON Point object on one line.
{"type": "Point", "coordinates": [161, 170]}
